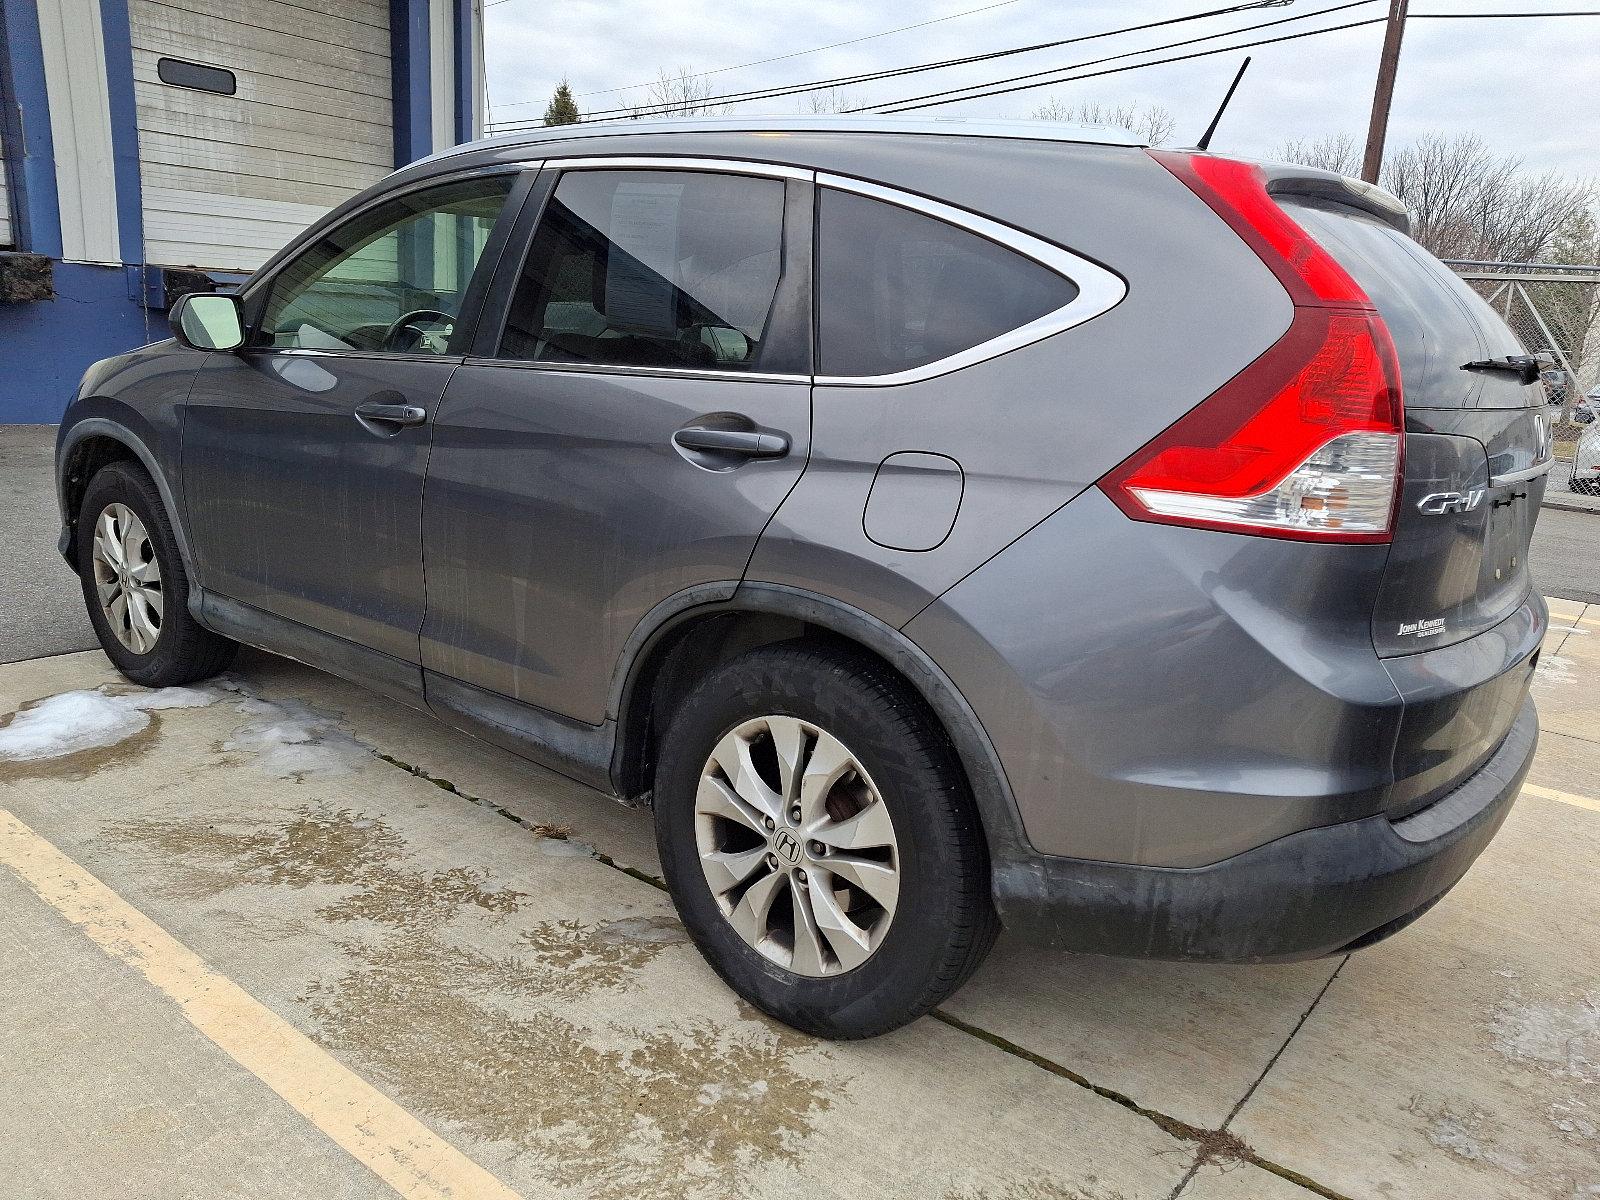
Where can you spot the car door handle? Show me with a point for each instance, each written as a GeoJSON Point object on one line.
{"type": "Point", "coordinates": [751, 443]}
{"type": "Point", "coordinates": [392, 414]}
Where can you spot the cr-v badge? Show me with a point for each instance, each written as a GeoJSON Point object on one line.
{"type": "Point", "coordinates": [1447, 502]}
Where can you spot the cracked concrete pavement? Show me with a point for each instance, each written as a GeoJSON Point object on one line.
{"type": "Point", "coordinates": [444, 935]}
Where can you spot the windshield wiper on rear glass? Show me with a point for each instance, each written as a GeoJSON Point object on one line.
{"type": "Point", "coordinates": [1526, 367]}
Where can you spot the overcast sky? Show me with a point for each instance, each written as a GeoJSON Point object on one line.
{"type": "Point", "coordinates": [1527, 87]}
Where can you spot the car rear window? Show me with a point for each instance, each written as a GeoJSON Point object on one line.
{"type": "Point", "coordinates": [897, 289]}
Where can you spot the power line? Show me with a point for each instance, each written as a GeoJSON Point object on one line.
{"type": "Point", "coordinates": [761, 62]}
{"type": "Point", "coordinates": [871, 76]}
{"type": "Point", "coordinates": [907, 104]}
{"type": "Point", "coordinates": [934, 99]}
{"type": "Point", "coordinates": [1094, 62]}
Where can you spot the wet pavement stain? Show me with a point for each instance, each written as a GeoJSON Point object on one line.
{"type": "Point", "coordinates": [82, 764]}
{"type": "Point", "coordinates": [329, 849]}
{"type": "Point", "coordinates": [487, 1041]}
{"type": "Point", "coordinates": [579, 958]}
{"type": "Point", "coordinates": [1039, 1189]}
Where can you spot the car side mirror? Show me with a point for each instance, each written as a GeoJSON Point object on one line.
{"type": "Point", "coordinates": [206, 321]}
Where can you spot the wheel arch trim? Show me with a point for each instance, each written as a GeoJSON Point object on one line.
{"type": "Point", "coordinates": [1002, 822]}
{"type": "Point", "coordinates": [105, 427]}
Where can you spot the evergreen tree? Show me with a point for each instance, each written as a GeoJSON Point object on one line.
{"type": "Point", "coordinates": [562, 109]}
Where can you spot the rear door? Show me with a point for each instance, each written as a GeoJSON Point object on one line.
{"type": "Point", "coordinates": [629, 432]}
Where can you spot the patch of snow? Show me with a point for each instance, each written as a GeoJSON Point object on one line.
{"type": "Point", "coordinates": [175, 697]}
{"type": "Point", "coordinates": [72, 722]}
{"type": "Point", "coordinates": [1553, 669]}
{"type": "Point", "coordinates": [1561, 1040]}
{"type": "Point", "coordinates": [1464, 1137]}
{"type": "Point", "coordinates": [291, 740]}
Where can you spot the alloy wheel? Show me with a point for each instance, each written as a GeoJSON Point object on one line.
{"type": "Point", "coordinates": [127, 578]}
{"type": "Point", "coordinates": [797, 845]}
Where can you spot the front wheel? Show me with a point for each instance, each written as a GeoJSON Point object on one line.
{"type": "Point", "coordinates": [135, 587]}
{"type": "Point", "coordinates": [820, 841]}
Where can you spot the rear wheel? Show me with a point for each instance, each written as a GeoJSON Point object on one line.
{"type": "Point", "coordinates": [820, 841]}
{"type": "Point", "coordinates": [134, 584]}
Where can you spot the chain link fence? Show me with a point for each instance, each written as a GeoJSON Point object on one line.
{"type": "Point", "coordinates": [1555, 309]}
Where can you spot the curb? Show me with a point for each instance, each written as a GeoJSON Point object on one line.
{"type": "Point", "coordinates": [1566, 506]}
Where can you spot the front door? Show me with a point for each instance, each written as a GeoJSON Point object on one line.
{"type": "Point", "coordinates": [629, 434]}
{"type": "Point", "coordinates": [304, 453]}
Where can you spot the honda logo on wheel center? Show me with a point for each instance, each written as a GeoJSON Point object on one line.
{"type": "Point", "coordinates": [787, 846]}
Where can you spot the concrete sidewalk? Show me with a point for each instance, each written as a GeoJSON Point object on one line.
{"type": "Point", "coordinates": [42, 609]}
{"type": "Point", "coordinates": [473, 953]}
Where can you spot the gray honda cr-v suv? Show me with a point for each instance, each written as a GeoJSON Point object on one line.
{"type": "Point", "coordinates": [943, 525]}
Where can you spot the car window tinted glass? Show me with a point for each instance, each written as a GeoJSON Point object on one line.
{"type": "Point", "coordinates": [651, 269]}
{"type": "Point", "coordinates": [897, 289]}
{"type": "Point", "coordinates": [389, 281]}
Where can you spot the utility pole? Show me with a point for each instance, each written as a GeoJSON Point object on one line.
{"type": "Point", "coordinates": [1378, 128]}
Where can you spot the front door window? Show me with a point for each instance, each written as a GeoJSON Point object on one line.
{"type": "Point", "coordinates": [390, 281]}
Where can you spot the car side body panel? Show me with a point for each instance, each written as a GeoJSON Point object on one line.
{"type": "Point", "coordinates": [134, 400]}
{"type": "Point", "coordinates": [1032, 428]}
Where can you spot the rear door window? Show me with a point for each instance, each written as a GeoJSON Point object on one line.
{"type": "Point", "coordinates": [898, 289]}
{"type": "Point", "coordinates": [667, 269]}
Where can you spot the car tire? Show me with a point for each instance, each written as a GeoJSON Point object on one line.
{"type": "Point", "coordinates": [150, 637]}
{"type": "Point", "coordinates": [941, 920]}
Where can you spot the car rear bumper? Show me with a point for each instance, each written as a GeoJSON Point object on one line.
{"type": "Point", "coordinates": [1308, 894]}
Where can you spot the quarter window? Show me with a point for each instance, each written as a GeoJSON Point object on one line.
{"type": "Point", "coordinates": [651, 269]}
{"type": "Point", "coordinates": [897, 289]}
{"type": "Point", "coordinates": [391, 280]}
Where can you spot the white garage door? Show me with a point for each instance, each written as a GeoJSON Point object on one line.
{"type": "Point", "coordinates": [228, 179]}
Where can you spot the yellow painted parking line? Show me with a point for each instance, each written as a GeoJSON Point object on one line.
{"type": "Point", "coordinates": [1572, 798]}
{"type": "Point", "coordinates": [386, 1139]}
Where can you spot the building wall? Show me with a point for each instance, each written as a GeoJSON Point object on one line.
{"type": "Point", "coordinates": [5, 199]}
{"type": "Point", "coordinates": [114, 174]}
{"type": "Point", "coordinates": [72, 38]}
{"type": "Point", "coordinates": [227, 180]}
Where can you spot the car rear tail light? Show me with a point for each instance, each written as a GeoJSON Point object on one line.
{"type": "Point", "coordinates": [1305, 442]}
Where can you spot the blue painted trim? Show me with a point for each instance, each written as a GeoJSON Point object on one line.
{"type": "Point", "coordinates": [465, 64]}
{"type": "Point", "coordinates": [45, 348]}
{"type": "Point", "coordinates": [412, 89]}
{"type": "Point", "coordinates": [30, 149]}
{"type": "Point", "coordinates": [124, 128]}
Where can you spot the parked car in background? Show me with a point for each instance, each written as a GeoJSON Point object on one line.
{"type": "Point", "coordinates": [1586, 462]}
{"type": "Point", "coordinates": [1586, 410]}
{"type": "Point", "coordinates": [791, 476]}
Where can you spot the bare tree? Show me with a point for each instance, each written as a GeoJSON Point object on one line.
{"type": "Point", "coordinates": [680, 94]}
{"type": "Point", "coordinates": [1467, 201]}
{"type": "Point", "coordinates": [1335, 152]}
{"type": "Point", "coordinates": [830, 100]}
{"type": "Point", "coordinates": [1150, 122]}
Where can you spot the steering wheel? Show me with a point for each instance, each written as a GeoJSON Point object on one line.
{"type": "Point", "coordinates": [405, 320]}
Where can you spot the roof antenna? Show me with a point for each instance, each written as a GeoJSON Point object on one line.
{"type": "Point", "coordinates": [1205, 140]}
